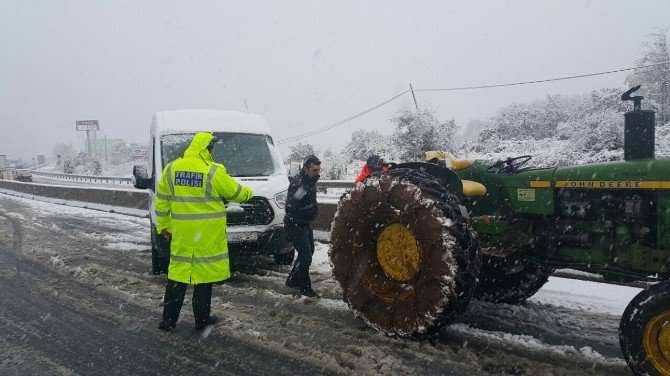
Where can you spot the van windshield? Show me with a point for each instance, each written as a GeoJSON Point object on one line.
{"type": "Point", "coordinates": [243, 154]}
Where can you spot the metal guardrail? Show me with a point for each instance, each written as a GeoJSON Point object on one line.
{"type": "Point", "coordinates": [113, 200]}
{"type": "Point", "coordinates": [321, 184]}
{"type": "Point", "coordinates": [36, 167]}
{"type": "Point", "coordinates": [325, 184]}
{"type": "Point", "coordinates": [91, 178]}
{"type": "Point", "coordinates": [136, 201]}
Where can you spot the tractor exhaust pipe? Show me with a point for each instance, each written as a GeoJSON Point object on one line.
{"type": "Point", "coordinates": [639, 135]}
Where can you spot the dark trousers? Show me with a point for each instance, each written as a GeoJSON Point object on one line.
{"type": "Point", "coordinates": [303, 242]}
{"type": "Point", "coordinates": [174, 299]}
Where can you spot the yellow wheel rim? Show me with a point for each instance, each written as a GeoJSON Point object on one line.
{"type": "Point", "coordinates": [398, 252]}
{"type": "Point", "coordinates": [656, 341]}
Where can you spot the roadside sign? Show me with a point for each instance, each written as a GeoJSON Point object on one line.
{"type": "Point", "coordinates": [140, 153]}
{"type": "Point", "coordinates": [87, 125]}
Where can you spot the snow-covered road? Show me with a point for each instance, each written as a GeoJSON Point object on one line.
{"type": "Point", "coordinates": [78, 296]}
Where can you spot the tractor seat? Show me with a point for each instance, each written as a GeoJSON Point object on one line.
{"type": "Point", "coordinates": [443, 158]}
{"type": "Point", "coordinates": [472, 188]}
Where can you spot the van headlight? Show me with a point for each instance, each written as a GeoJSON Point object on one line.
{"type": "Point", "coordinates": [280, 199]}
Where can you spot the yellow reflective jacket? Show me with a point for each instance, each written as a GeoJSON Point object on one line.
{"type": "Point", "coordinates": [189, 204]}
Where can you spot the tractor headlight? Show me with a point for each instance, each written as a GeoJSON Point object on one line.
{"type": "Point", "coordinates": [280, 199]}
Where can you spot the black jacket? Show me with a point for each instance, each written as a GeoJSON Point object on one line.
{"type": "Point", "coordinates": [301, 206]}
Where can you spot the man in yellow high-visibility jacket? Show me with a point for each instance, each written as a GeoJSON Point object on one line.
{"type": "Point", "coordinates": [190, 210]}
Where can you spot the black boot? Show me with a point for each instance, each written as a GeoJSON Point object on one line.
{"type": "Point", "coordinates": [166, 326]}
{"type": "Point", "coordinates": [308, 292]}
{"type": "Point", "coordinates": [210, 321]}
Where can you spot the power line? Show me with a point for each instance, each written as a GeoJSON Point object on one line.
{"type": "Point", "coordinates": [350, 118]}
{"type": "Point", "coordinates": [546, 80]}
{"type": "Point", "coordinates": [343, 121]}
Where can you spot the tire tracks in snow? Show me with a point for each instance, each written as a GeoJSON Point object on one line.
{"type": "Point", "coordinates": [16, 232]}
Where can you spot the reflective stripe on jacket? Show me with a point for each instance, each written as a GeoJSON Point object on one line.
{"type": "Point", "coordinates": [189, 204]}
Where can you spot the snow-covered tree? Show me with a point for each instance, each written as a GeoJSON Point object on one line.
{"type": "Point", "coordinates": [472, 130]}
{"type": "Point", "coordinates": [299, 151]}
{"type": "Point", "coordinates": [608, 99]}
{"type": "Point", "coordinates": [93, 167]}
{"type": "Point", "coordinates": [598, 137]}
{"type": "Point", "coordinates": [68, 166]}
{"type": "Point", "coordinates": [64, 150]}
{"type": "Point", "coordinates": [663, 141]}
{"type": "Point", "coordinates": [654, 80]}
{"type": "Point", "coordinates": [333, 166]}
{"type": "Point", "coordinates": [557, 130]}
{"type": "Point", "coordinates": [364, 143]}
{"type": "Point", "coordinates": [416, 133]}
{"type": "Point", "coordinates": [537, 120]}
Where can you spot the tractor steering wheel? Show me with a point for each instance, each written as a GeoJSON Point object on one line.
{"type": "Point", "coordinates": [509, 166]}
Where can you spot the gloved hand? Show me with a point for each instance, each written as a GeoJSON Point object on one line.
{"type": "Point", "coordinates": [166, 234]}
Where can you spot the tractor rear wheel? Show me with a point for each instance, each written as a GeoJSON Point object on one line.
{"type": "Point", "coordinates": [509, 280]}
{"type": "Point", "coordinates": [644, 331]}
{"type": "Point", "coordinates": [403, 254]}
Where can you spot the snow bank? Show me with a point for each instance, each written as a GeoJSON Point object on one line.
{"type": "Point", "coordinates": [532, 343]}
{"type": "Point", "coordinates": [585, 296]}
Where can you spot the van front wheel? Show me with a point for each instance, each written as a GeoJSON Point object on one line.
{"type": "Point", "coordinates": [285, 258]}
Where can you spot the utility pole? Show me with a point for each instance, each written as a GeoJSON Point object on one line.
{"type": "Point", "coordinates": [245, 105]}
{"type": "Point", "coordinates": [105, 148]}
{"type": "Point", "coordinates": [414, 96]}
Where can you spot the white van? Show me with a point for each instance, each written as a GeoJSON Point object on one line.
{"type": "Point", "coordinates": [251, 157]}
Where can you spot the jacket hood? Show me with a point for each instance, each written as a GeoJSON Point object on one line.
{"type": "Point", "coordinates": [198, 147]}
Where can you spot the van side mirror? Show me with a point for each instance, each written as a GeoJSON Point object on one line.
{"type": "Point", "coordinates": [293, 170]}
{"type": "Point", "coordinates": [141, 178]}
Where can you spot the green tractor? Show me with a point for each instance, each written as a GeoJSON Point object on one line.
{"type": "Point", "coordinates": [411, 246]}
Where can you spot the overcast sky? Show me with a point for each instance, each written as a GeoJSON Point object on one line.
{"type": "Point", "coordinates": [302, 65]}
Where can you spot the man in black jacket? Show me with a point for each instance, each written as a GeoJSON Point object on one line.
{"type": "Point", "coordinates": [301, 208]}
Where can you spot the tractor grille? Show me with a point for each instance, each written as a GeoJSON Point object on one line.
{"type": "Point", "coordinates": [256, 211]}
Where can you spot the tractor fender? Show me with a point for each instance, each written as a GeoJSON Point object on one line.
{"type": "Point", "coordinates": [447, 178]}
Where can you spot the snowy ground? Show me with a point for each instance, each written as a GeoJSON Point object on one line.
{"type": "Point", "coordinates": [96, 265]}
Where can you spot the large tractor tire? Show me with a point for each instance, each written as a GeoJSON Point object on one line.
{"type": "Point", "coordinates": [644, 331]}
{"type": "Point", "coordinates": [509, 280]}
{"type": "Point", "coordinates": [403, 254]}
